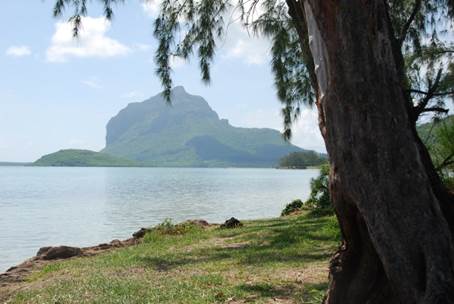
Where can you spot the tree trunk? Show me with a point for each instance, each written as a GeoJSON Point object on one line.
{"type": "Point", "coordinates": [397, 244]}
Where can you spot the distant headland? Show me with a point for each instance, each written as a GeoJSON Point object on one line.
{"type": "Point", "coordinates": [187, 133]}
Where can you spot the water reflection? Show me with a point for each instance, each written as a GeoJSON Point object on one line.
{"type": "Point", "coordinates": [86, 206]}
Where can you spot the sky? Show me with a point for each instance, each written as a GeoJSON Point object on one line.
{"type": "Point", "coordinates": [58, 93]}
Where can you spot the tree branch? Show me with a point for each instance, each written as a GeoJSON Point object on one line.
{"type": "Point", "coordinates": [435, 109]}
{"type": "Point", "coordinates": [408, 23]}
{"type": "Point", "coordinates": [296, 11]}
{"type": "Point", "coordinates": [429, 95]}
{"type": "Point", "coordinates": [433, 94]}
{"type": "Point", "coordinates": [441, 51]}
{"type": "Point", "coordinates": [446, 162]}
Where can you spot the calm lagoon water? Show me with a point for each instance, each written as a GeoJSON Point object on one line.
{"type": "Point", "coordinates": [87, 206]}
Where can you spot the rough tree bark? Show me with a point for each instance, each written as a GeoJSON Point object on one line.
{"type": "Point", "coordinates": [397, 243]}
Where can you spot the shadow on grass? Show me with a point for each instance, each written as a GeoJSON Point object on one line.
{"type": "Point", "coordinates": [167, 263]}
{"type": "Point", "coordinates": [314, 293]}
{"type": "Point", "coordinates": [265, 290]}
{"type": "Point", "coordinates": [298, 240]}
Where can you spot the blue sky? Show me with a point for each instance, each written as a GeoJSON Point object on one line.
{"type": "Point", "coordinates": [58, 93]}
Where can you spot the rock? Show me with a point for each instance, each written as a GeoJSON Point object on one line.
{"type": "Point", "coordinates": [116, 243]}
{"type": "Point", "coordinates": [141, 233]}
{"type": "Point", "coordinates": [61, 252]}
{"type": "Point", "coordinates": [129, 242]}
{"type": "Point", "coordinates": [11, 269]}
{"type": "Point", "coordinates": [42, 250]}
{"type": "Point", "coordinates": [200, 223]}
{"type": "Point", "coordinates": [104, 246]}
{"type": "Point", "coordinates": [232, 223]}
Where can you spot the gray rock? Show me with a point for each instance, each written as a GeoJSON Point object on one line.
{"type": "Point", "coordinates": [141, 233]}
{"type": "Point", "coordinates": [232, 223]}
{"type": "Point", "coordinates": [61, 252]}
{"type": "Point", "coordinates": [43, 250]}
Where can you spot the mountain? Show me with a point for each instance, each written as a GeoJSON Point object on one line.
{"type": "Point", "coordinates": [189, 133]}
{"type": "Point", "coordinates": [82, 158]}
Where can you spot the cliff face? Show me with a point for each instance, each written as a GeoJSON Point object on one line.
{"type": "Point", "coordinates": [189, 133]}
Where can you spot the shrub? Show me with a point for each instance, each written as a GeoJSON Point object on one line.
{"type": "Point", "coordinates": [319, 199]}
{"type": "Point", "coordinates": [292, 207]}
{"type": "Point", "coordinates": [319, 202]}
{"type": "Point", "coordinates": [169, 228]}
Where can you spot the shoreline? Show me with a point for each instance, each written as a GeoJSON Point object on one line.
{"type": "Point", "coordinates": [16, 273]}
{"type": "Point", "coordinates": [50, 254]}
{"type": "Point", "coordinates": [278, 260]}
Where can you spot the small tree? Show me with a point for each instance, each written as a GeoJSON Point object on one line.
{"type": "Point", "coordinates": [319, 200]}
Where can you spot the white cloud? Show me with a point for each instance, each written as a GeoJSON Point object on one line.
{"type": "Point", "coordinates": [151, 7]}
{"type": "Point", "coordinates": [92, 83]}
{"type": "Point", "coordinates": [238, 44]}
{"type": "Point", "coordinates": [92, 41]}
{"type": "Point", "coordinates": [19, 51]}
{"type": "Point", "coordinates": [251, 49]}
{"type": "Point", "coordinates": [243, 44]}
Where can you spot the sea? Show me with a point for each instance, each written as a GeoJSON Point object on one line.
{"type": "Point", "coordinates": [50, 206]}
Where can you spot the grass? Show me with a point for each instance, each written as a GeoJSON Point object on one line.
{"type": "Point", "coordinates": [267, 261]}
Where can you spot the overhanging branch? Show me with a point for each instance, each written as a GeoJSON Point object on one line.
{"type": "Point", "coordinates": [433, 94]}
{"type": "Point", "coordinates": [435, 109]}
{"type": "Point", "coordinates": [446, 162]}
{"type": "Point", "coordinates": [406, 27]}
{"type": "Point", "coordinates": [422, 105]}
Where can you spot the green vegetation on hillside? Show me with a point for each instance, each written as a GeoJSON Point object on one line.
{"type": "Point", "coordinates": [189, 133]}
{"type": "Point", "coordinates": [438, 136]}
{"type": "Point", "coordinates": [427, 131]}
{"type": "Point", "coordinates": [302, 160]}
{"type": "Point", "coordinates": [82, 158]}
{"type": "Point", "coordinates": [281, 260]}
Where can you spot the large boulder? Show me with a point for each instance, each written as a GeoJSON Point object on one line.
{"type": "Point", "coordinates": [141, 233]}
{"type": "Point", "coordinates": [232, 223]}
{"type": "Point", "coordinates": [61, 252]}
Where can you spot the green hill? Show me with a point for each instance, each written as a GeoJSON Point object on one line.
{"type": "Point", "coordinates": [302, 160]}
{"type": "Point", "coordinates": [189, 133]}
{"type": "Point", "coordinates": [82, 158]}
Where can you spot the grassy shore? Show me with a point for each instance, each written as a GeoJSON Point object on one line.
{"type": "Point", "coordinates": [282, 260]}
